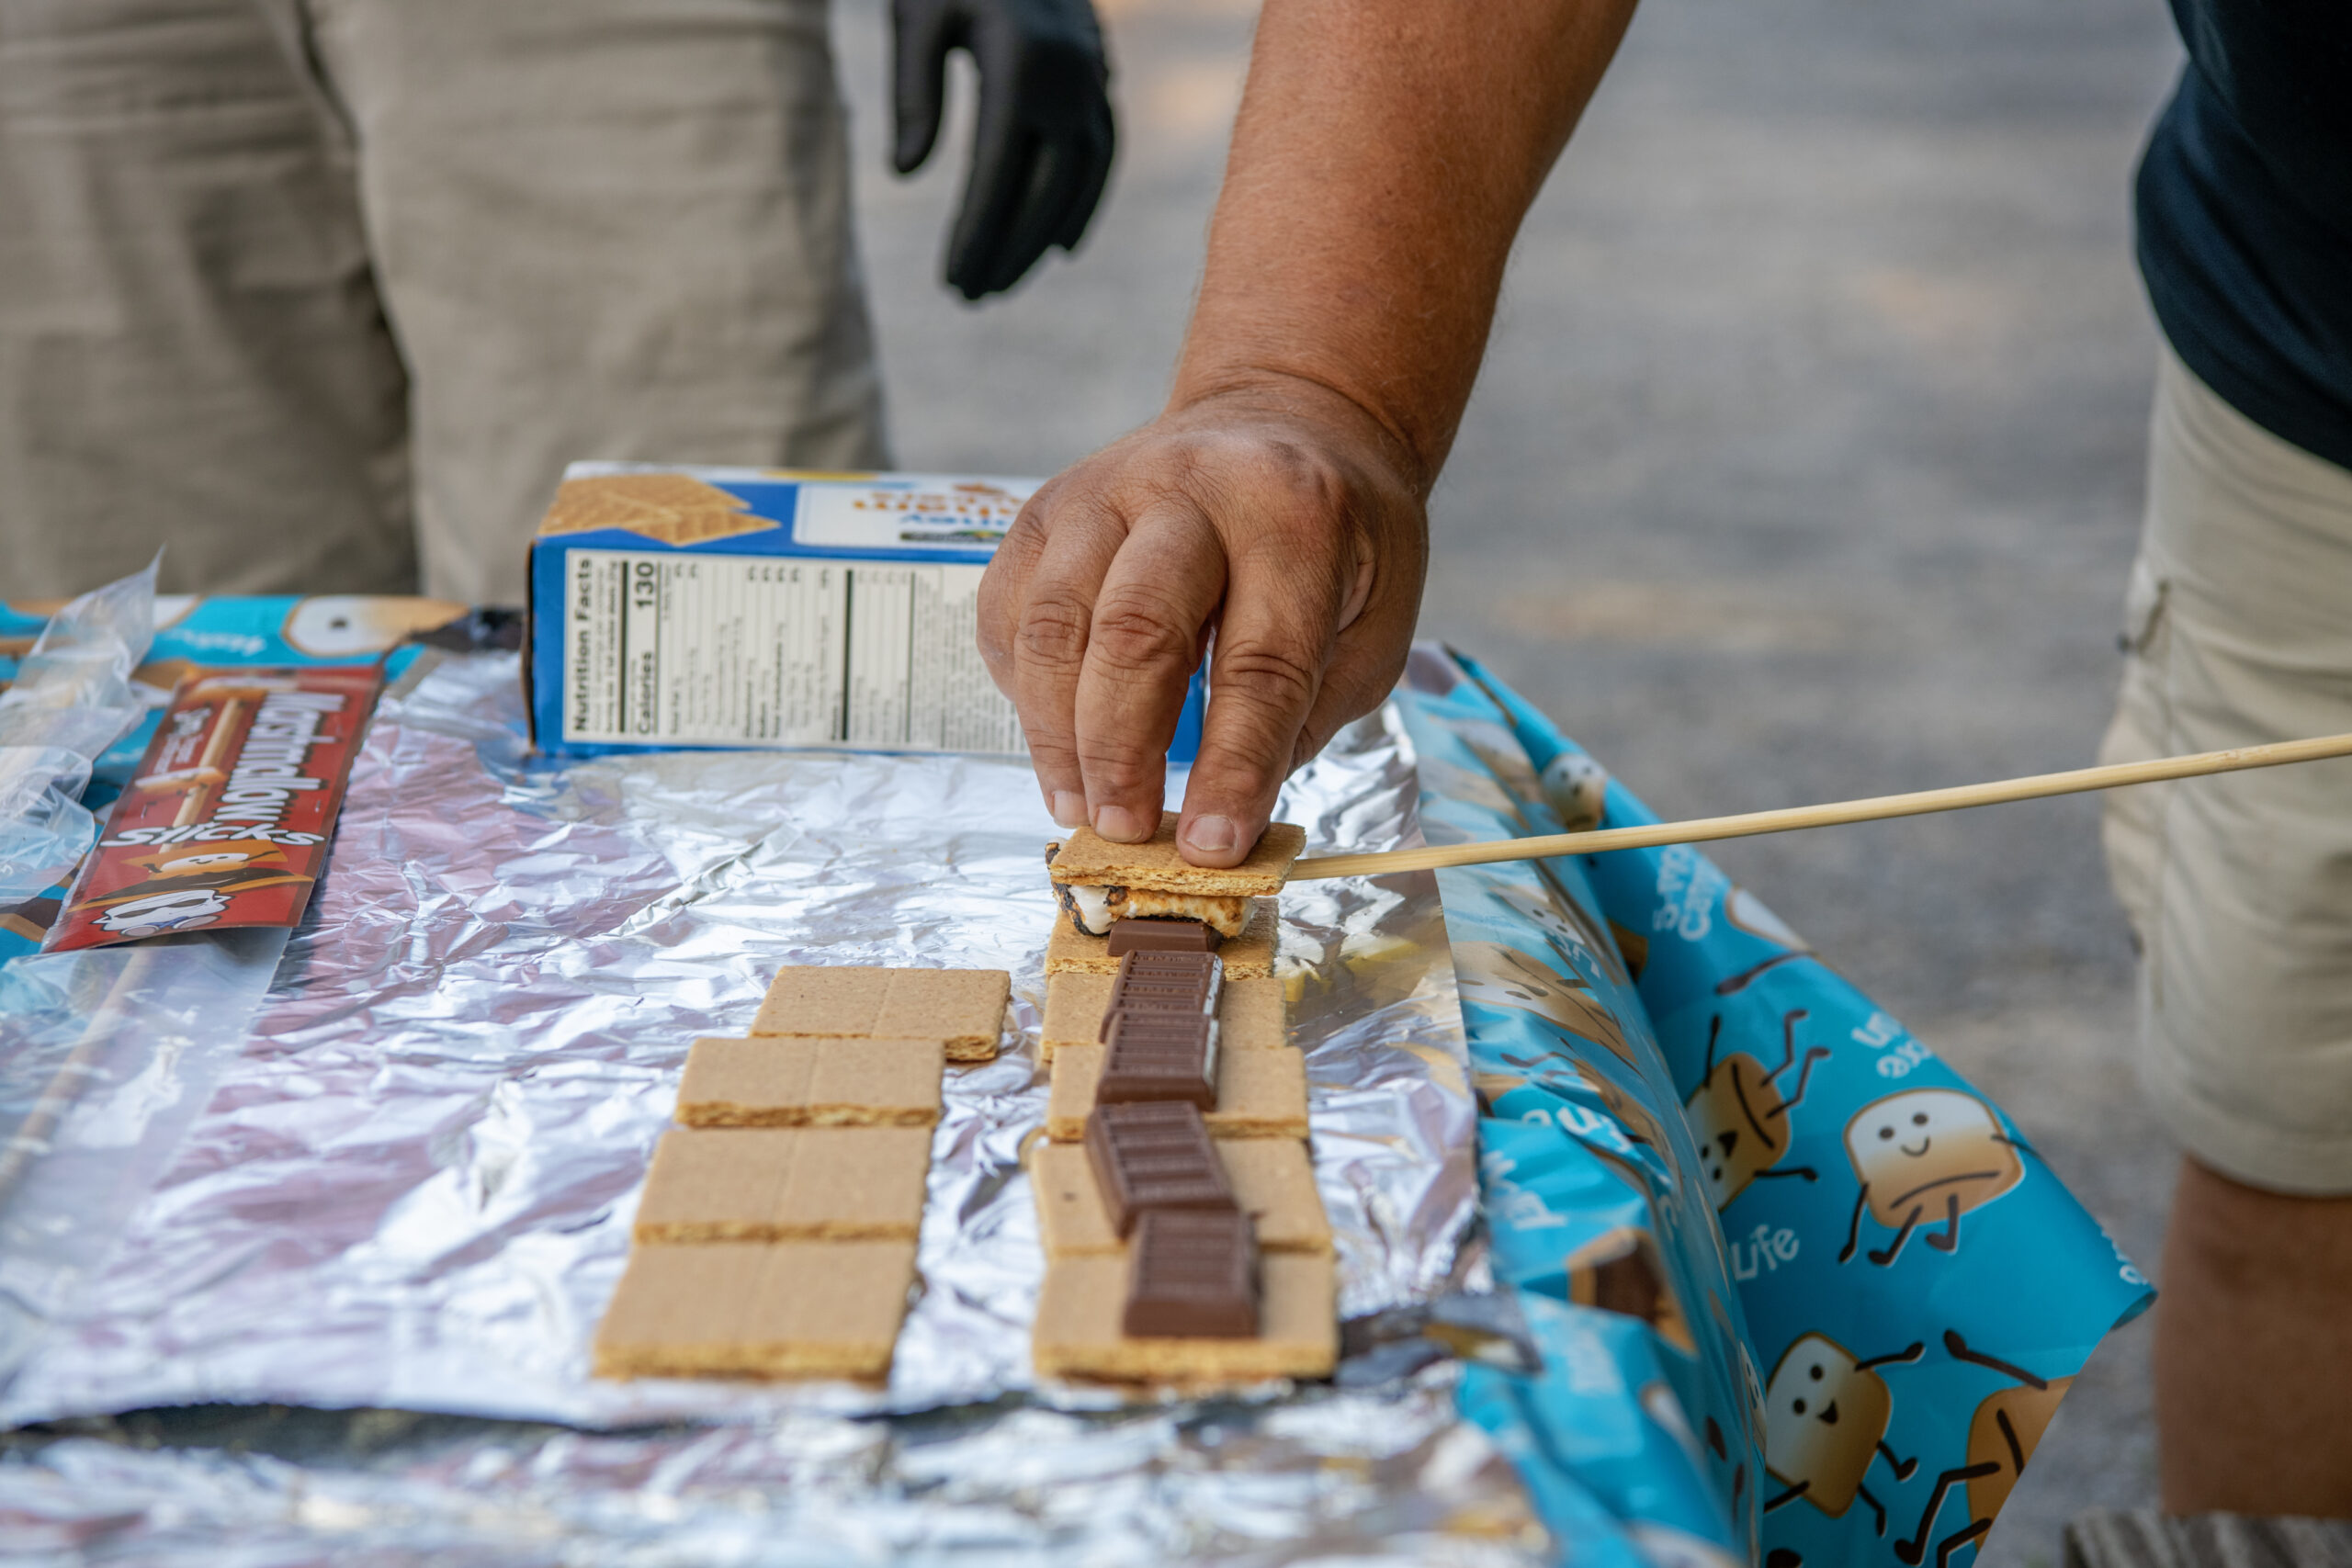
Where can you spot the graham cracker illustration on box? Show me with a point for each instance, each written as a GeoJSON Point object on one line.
{"type": "Point", "coordinates": [676, 509]}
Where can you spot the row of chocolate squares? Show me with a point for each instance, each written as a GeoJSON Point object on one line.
{"type": "Point", "coordinates": [1159, 1029]}
{"type": "Point", "coordinates": [1192, 1269]}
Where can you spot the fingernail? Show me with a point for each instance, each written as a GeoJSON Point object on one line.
{"type": "Point", "coordinates": [1212, 835]}
{"type": "Point", "coordinates": [1069, 807]}
{"type": "Point", "coordinates": [1121, 826]}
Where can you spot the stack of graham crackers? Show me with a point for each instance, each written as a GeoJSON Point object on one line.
{"type": "Point", "coordinates": [677, 509]}
{"type": "Point", "coordinates": [776, 1236]}
{"type": "Point", "coordinates": [1184, 1239]}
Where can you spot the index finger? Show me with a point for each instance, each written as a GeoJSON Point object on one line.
{"type": "Point", "coordinates": [1265, 672]}
{"type": "Point", "coordinates": [1037, 615]}
{"type": "Point", "coordinates": [1149, 618]}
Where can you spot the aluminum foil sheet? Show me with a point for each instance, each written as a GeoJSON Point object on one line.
{"type": "Point", "coordinates": [413, 1186]}
{"type": "Point", "coordinates": [1329, 1477]}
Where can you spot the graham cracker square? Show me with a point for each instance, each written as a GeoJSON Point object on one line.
{"type": "Point", "coordinates": [1074, 1004]}
{"type": "Point", "coordinates": [1252, 1015]}
{"type": "Point", "coordinates": [1273, 1179]}
{"type": "Point", "coordinates": [763, 1184]}
{"type": "Point", "coordinates": [1088, 857]}
{"type": "Point", "coordinates": [1076, 1332]}
{"type": "Point", "coordinates": [791, 1310]}
{"type": "Point", "coordinates": [1260, 1094]}
{"type": "Point", "coordinates": [963, 1009]}
{"type": "Point", "coordinates": [779, 1082]}
{"type": "Point", "coordinates": [1273, 1182]}
{"type": "Point", "coordinates": [1249, 956]}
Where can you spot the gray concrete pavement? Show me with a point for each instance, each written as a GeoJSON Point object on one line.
{"type": "Point", "coordinates": [1807, 464]}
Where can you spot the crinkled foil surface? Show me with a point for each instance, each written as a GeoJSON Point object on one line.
{"type": "Point", "coordinates": [412, 1188]}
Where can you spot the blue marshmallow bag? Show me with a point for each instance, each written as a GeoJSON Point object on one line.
{"type": "Point", "coordinates": [1771, 1246]}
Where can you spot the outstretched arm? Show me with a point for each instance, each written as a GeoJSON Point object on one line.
{"type": "Point", "coordinates": [1385, 152]}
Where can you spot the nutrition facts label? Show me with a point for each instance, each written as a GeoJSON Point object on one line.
{"type": "Point", "coordinates": [767, 650]}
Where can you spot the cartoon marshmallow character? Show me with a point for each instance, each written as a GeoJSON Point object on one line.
{"type": "Point", "coordinates": [1924, 1157]}
{"type": "Point", "coordinates": [1621, 1271]}
{"type": "Point", "coordinates": [1740, 1117]}
{"type": "Point", "coordinates": [1565, 924]}
{"type": "Point", "coordinates": [1826, 1414]}
{"type": "Point", "coordinates": [1576, 788]}
{"type": "Point", "coordinates": [1631, 1114]}
{"type": "Point", "coordinates": [187, 886]}
{"type": "Point", "coordinates": [177, 862]}
{"type": "Point", "coordinates": [184, 910]}
{"type": "Point", "coordinates": [343, 626]}
{"type": "Point", "coordinates": [1491, 1086]}
{"type": "Point", "coordinates": [2001, 1435]}
{"type": "Point", "coordinates": [1745, 911]}
{"type": "Point", "coordinates": [1497, 976]}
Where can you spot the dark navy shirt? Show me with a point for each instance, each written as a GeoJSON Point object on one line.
{"type": "Point", "coordinates": [2245, 213]}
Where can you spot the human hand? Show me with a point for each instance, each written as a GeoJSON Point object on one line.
{"type": "Point", "coordinates": [1041, 148]}
{"type": "Point", "coordinates": [1281, 530]}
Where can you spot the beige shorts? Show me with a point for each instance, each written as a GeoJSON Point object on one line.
{"type": "Point", "coordinates": [322, 294]}
{"type": "Point", "coordinates": [2239, 630]}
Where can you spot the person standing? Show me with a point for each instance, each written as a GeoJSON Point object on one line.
{"type": "Point", "coordinates": [1274, 518]}
{"type": "Point", "coordinates": [322, 294]}
{"type": "Point", "coordinates": [2238, 627]}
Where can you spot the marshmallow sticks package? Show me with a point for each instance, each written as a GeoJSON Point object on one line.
{"type": "Point", "coordinates": [1694, 1122]}
{"type": "Point", "coordinates": [228, 819]}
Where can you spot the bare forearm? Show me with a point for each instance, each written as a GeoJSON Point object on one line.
{"type": "Point", "coordinates": [1275, 513]}
{"type": "Point", "coordinates": [1384, 155]}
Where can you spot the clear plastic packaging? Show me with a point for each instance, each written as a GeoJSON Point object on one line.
{"type": "Point", "coordinates": [71, 700]}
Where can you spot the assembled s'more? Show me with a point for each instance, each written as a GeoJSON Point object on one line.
{"type": "Point", "coordinates": [1162, 898]}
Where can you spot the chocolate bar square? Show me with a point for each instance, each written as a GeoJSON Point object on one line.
{"type": "Point", "coordinates": [1165, 982]}
{"type": "Point", "coordinates": [1173, 963]}
{"type": "Point", "coordinates": [1153, 1154]}
{"type": "Point", "coordinates": [1195, 1276]}
{"type": "Point", "coordinates": [1159, 1055]}
{"type": "Point", "coordinates": [1163, 936]}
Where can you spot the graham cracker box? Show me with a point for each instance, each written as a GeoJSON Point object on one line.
{"type": "Point", "coordinates": [677, 607]}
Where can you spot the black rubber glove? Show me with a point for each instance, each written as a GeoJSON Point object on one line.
{"type": "Point", "coordinates": [1042, 147]}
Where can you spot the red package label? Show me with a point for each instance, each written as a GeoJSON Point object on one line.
{"type": "Point", "coordinates": [227, 822]}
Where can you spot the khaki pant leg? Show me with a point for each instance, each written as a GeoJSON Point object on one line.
{"type": "Point", "coordinates": [191, 350]}
{"type": "Point", "coordinates": [2240, 887]}
{"type": "Point", "coordinates": [604, 229]}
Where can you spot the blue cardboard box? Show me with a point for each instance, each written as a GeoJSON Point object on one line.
{"type": "Point", "coordinates": [754, 607]}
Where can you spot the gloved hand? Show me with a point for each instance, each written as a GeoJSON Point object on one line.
{"type": "Point", "coordinates": [1042, 147]}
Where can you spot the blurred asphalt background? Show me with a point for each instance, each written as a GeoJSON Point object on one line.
{"type": "Point", "coordinates": [1806, 464]}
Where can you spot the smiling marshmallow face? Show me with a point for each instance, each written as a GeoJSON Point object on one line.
{"type": "Point", "coordinates": [1921, 1149]}
{"type": "Point", "coordinates": [1823, 1418]}
{"type": "Point", "coordinates": [159, 912]}
{"type": "Point", "coordinates": [1740, 1125]}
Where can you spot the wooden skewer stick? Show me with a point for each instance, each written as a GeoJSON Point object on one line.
{"type": "Point", "coordinates": [1544, 847]}
{"type": "Point", "coordinates": [33, 1137]}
